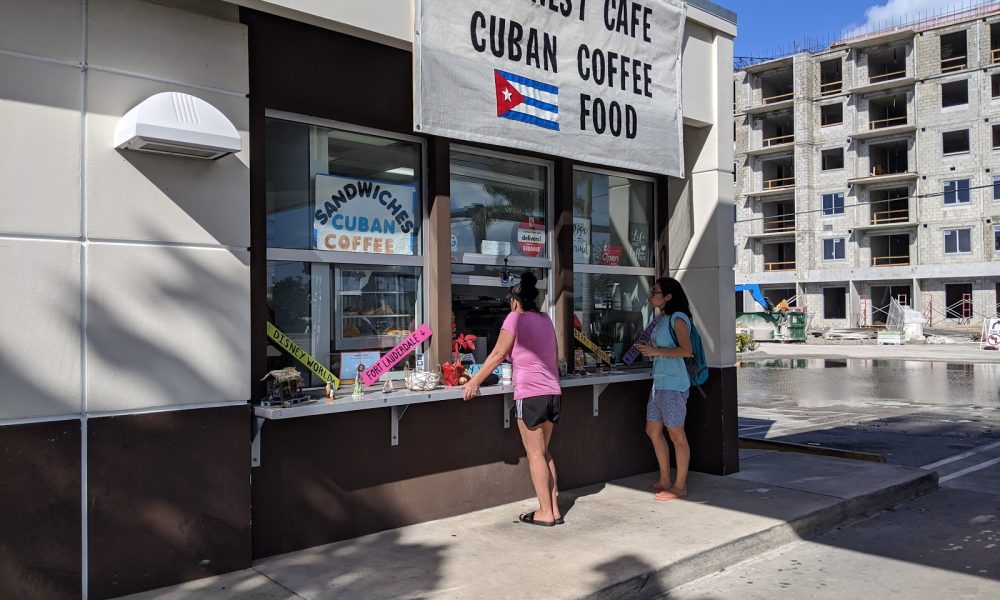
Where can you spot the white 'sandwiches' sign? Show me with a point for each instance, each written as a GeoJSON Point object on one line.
{"type": "Point", "coordinates": [363, 215]}
{"type": "Point", "coordinates": [592, 80]}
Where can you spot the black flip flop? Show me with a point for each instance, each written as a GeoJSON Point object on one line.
{"type": "Point", "coordinates": [529, 518]}
{"type": "Point", "coordinates": [559, 521]}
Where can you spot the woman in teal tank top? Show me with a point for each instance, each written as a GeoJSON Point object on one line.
{"type": "Point", "coordinates": [669, 345]}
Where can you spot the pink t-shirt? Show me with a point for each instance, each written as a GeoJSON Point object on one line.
{"type": "Point", "coordinates": [534, 355]}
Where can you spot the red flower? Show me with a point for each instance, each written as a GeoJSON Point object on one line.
{"type": "Point", "coordinates": [464, 341]}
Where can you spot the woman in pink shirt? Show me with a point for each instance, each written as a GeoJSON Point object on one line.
{"type": "Point", "coordinates": [529, 339]}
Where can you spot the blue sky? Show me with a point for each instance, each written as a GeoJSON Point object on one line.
{"type": "Point", "coordinates": [771, 27]}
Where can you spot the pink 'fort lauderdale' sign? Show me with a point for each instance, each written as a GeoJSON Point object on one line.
{"type": "Point", "coordinates": [390, 358]}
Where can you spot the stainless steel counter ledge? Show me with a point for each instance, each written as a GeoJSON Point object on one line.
{"type": "Point", "coordinates": [399, 400]}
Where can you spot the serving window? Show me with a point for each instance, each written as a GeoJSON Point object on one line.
{"type": "Point", "coordinates": [344, 217]}
{"type": "Point", "coordinates": [613, 266]}
{"type": "Point", "coordinates": [500, 207]}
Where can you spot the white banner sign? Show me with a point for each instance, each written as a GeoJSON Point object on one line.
{"type": "Point", "coordinates": [591, 80]}
{"type": "Point", "coordinates": [362, 215]}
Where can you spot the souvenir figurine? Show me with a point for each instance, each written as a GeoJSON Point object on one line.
{"type": "Point", "coordinates": [387, 387]}
{"type": "Point", "coordinates": [329, 392]}
{"type": "Point", "coordinates": [358, 385]}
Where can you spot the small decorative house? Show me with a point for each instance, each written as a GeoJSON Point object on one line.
{"type": "Point", "coordinates": [283, 386]}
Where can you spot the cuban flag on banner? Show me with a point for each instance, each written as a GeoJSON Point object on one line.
{"type": "Point", "coordinates": [526, 100]}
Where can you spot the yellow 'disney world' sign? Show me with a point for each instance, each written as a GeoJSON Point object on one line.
{"type": "Point", "coordinates": [587, 343]}
{"type": "Point", "coordinates": [286, 344]}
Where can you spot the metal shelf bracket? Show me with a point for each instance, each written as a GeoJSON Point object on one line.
{"type": "Point", "coordinates": [258, 424]}
{"type": "Point", "coordinates": [397, 415]}
{"type": "Point", "coordinates": [598, 390]}
{"type": "Point", "coordinates": [508, 402]}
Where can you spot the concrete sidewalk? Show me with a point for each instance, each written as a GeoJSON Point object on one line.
{"type": "Point", "coordinates": [617, 541]}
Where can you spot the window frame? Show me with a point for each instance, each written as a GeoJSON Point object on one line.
{"type": "Point", "coordinates": [332, 260]}
{"type": "Point", "coordinates": [514, 263]}
{"type": "Point", "coordinates": [592, 268]}
{"type": "Point", "coordinates": [956, 231]}
{"type": "Point", "coordinates": [833, 212]}
{"type": "Point", "coordinates": [956, 193]}
{"type": "Point", "coordinates": [833, 247]}
{"type": "Point", "coordinates": [996, 239]}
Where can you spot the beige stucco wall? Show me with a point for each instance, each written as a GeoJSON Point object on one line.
{"type": "Point", "coordinates": [124, 277]}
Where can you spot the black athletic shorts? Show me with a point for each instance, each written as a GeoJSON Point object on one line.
{"type": "Point", "coordinates": [537, 409]}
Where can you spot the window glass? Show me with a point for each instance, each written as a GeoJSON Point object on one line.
{"type": "Point", "coordinates": [497, 206]}
{"type": "Point", "coordinates": [612, 309]}
{"type": "Point", "coordinates": [957, 241]}
{"type": "Point", "coordinates": [833, 204]}
{"type": "Point", "coordinates": [612, 228]}
{"type": "Point", "coordinates": [956, 191]}
{"type": "Point", "coordinates": [612, 220]}
{"type": "Point", "coordinates": [833, 249]}
{"type": "Point", "coordinates": [341, 191]}
{"type": "Point", "coordinates": [996, 188]}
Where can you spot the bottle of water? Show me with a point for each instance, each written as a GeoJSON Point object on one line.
{"type": "Point", "coordinates": [505, 373]}
{"type": "Point", "coordinates": [420, 362]}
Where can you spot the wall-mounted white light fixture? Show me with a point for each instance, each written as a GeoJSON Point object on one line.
{"type": "Point", "coordinates": [179, 125]}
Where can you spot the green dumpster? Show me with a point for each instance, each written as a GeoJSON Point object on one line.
{"type": "Point", "coordinates": [796, 326]}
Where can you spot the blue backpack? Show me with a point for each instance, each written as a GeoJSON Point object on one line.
{"type": "Point", "coordinates": [697, 366]}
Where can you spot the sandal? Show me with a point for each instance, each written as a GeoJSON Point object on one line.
{"type": "Point", "coordinates": [529, 518]}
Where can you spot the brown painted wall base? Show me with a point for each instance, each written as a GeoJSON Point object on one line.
{"type": "Point", "coordinates": [40, 519]}
{"type": "Point", "coordinates": [169, 499]}
{"type": "Point", "coordinates": [335, 477]}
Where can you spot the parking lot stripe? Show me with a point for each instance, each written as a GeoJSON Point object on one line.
{"type": "Point", "coordinates": [968, 470]}
{"type": "Point", "coordinates": [962, 455]}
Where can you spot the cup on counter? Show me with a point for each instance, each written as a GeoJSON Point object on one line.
{"type": "Point", "coordinates": [506, 374]}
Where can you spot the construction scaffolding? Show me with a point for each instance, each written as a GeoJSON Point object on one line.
{"type": "Point", "coordinates": [958, 313]}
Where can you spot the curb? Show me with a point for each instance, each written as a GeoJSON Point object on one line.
{"type": "Point", "coordinates": [660, 580]}
{"type": "Point", "coordinates": [759, 444]}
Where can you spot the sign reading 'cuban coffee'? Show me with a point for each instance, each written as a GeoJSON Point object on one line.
{"type": "Point", "coordinates": [592, 80]}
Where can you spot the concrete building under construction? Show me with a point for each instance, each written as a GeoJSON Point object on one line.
{"type": "Point", "coordinates": [870, 170]}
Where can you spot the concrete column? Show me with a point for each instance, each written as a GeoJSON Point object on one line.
{"type": "Point", "coordinates": [437, 251]}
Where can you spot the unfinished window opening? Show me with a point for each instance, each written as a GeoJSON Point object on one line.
{"type": "Point", "coordinates": [831, 80]}
{"type": "Point", "coordinates": [779, 217]}
{"type": "Point", "coordinates": [996, 240]}
{"type": "Point", "coordinates": [954, 93]}
{"type": "Point", "coordinates": [996, 188]}
{"type": "Point", "coordinates": [776, 86]}
{"type": "Point", "coordinates": [956, 191]}
{"type": "Point", "coordinates": [995, 43]}
{"type": "Point", "coordinates": [832, 159]}
{"type": "Point", "coordinates": [779, 257]}
{"type": "Point", "coordinates": [835, 303]}
{"type": "Point", "coordinates": [887, 111]}
{"type": "Point", "coordinates": [888, 158]}
{"type": "Point", "coordinates": [955, 142]}
{"type": "Point", "coordinates": [778, 295]}
{"type": "Point", "coordinates": [996, 137]}
{"type": "Point", "coordinates": [777, 129]}
{"type": "Point", "coordinates": [882, 297]}
{"type": "Point", "coordinates": [890, 206]}
{"type": "Point", "coordinates": [953, 52]}
{"type": "Point", "coordinates": [886, 63]}
{"type": "Point", "coordinates": [778, 173]}
{"type": "Point", "coordinates": [831, 114]}
{"type": "Point", "coordinates": [958, 300]}
{"type": "Point", "coordinates": [995, 85]}
{"type": "Point", "coordinates": [890, 250]}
